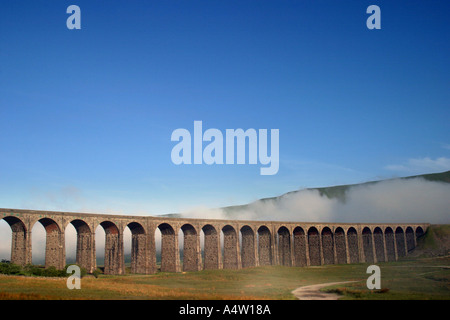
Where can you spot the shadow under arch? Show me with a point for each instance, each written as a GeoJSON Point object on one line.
{"type": "Point", "coordinates": [299, 247]}
{"type": "Point", "coordinates": [169, 248]}
{"type": "Point", "coordinates": [54, 251]}
{"type": "Point", "coordinates": [20, 241]}
{"type": "Point", "coordinates": [400, 242]}
{"type": "Point", "coordinates": [284, 246]}
{"type": "Point", "coordinates": [314, 247]}
{"type": "Point", "coordinates": [211, 247]}
{"type": "Point", "coordinates": [191, 248]}
{"type": "Point", "coordinates": [114, 257]}
{"type": "Point", "coordinates": [390, 243]}
{"type": "Point", "coordinates": [85, 246]}
{"type": "Point", "coordinates": [264, 246]}
{"type": "Point", "coordinates": [379, 244]}
{"type": "Point", "coordinates": [367, 245]}
{"type": "Point", "coordinates": [327, 246]}
{"type": "Point", "coordinates": [248, 257]}
{"type": "Point", "coordinates": [353, 247]}
{"type": "Point", "coordinates": [341, 250]}
{"type": "Point", "coordinates": [230, 248]}
{"type": "Point", "coordinates": [139, 248]}
{"type": "Point", "coordinates": [410, 241]}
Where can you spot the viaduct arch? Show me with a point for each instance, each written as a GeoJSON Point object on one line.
{"type": "Point", "coordinates": [228, 244]}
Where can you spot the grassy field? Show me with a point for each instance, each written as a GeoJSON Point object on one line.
{"type": "Point", "coordinates": [419, 278]}
{"type": "Point", "coordinates": [425, 274]}
{"type": "Point", "coordinates": [424, 279]}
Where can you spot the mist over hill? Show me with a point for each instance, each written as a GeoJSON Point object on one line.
{"type": "Point", "coordinates": [421, 198]}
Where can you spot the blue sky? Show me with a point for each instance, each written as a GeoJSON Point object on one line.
{"type": "Point", "coordinates": [86, 115]}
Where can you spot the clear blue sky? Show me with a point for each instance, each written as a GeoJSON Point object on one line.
{"type": "Point", "coordinates": [86, 115]}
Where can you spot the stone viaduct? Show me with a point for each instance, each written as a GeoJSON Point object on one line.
{"type": "Point", "coordinates": [227, 244]}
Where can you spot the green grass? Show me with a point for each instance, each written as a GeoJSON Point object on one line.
{"type": "Point", "coordinates": [407, 279]}
{"type": "Point", "coordinates": [424, 279]}
{"type": "Point", "coordinates": [423, 275]}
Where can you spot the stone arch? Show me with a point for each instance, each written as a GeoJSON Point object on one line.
{"type": "Point", "coordinates": [114, 259]}
{"type": "Point", "coordinates": [314, 247]}
{"type": "Point", "coordinates": [54, 243]}
{"type": "Point", "coordinates": [353, 246]}
{"type": "Point", "coordinates": [299, 247]}
{"type": "Point", "coordinates": [169, 248]}
{"type": "Point", "coordinates": [390, 244]}
{"type": "Point", "coordinates": [139, 248]}
{"type": "Point", "coordinates": [264, 246]}
{"type": "Point", "coordinates": [327, 246]}
{"type": "Point", "coordinates": [400, 242]}
{"type": "Point", "coordinates": [211, 247]}
{"type": "Point", "coordinates": [20, 245]}
{"type": "Point", "coordinates": [284, 246]}
{"type": "Point", "coordinates": [230, 248]}
{"type": "Point", "coordinates": [248, 258]}
{"type": "Point", "coordinates": [191, 248]}
{"type": "Point", "coordinates": [419, 232]}
{"type": "Point", "coordinates": [410, 241]}
{"type": "Point", "coordinates": [15, 223]}
{"type": "Point", "coordinates": [367, 245]}
{"type": "Point", "coordinates": [379, 244]}
{"type": "Point", "coordinates": [85, 247]}
{"type": "Point", "coordinates": [341, 250]}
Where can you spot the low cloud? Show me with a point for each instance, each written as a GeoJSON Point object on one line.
{"type": "Point", "coordinates": [402, 200]}
{"type": "Point", "coordinates": [420, 165]}
{"type": "Point", "coordinates": [410, 200]}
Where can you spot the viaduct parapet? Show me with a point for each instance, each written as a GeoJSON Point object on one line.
{"type": "Point", "coordinates": [227, 244]}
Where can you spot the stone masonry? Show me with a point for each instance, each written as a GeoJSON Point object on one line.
{"type": "Point", "coordinates": [228, 244]}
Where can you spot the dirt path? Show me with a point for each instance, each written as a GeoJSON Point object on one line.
{"type": "Point", "coordinates": [313, 292]}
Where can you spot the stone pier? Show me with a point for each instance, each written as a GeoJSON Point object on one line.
{"type": "Point", "coordinates": [208, 243]}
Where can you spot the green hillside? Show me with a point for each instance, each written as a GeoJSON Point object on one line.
{"type": "Point", "coordinates": [339, 192]}
{"type": "Point", "coordinates": [435, 242]}
{"type": "Point", "coordinates": [334, 192]}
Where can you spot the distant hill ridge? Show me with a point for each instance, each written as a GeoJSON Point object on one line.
{"type": "Point", "coordinates": [339, 191]}
{"type": "Point", "coordinates": [331, 192]}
